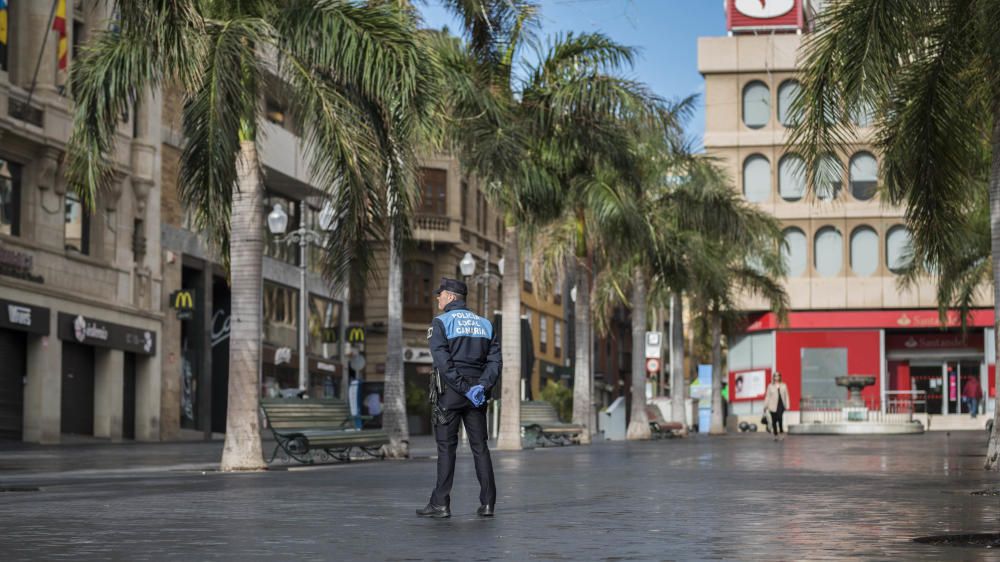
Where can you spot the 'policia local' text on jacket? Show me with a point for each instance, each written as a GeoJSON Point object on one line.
{"type": "Point", "coordinates": [466, 352]}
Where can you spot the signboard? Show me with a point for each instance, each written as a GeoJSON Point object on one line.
{"type": "Point", "coordinates": [18, 265]}
{"type": "Point", "coordinates": [355, 334]}
{"type": "Point", "coordinates": [654, 344]}
{"type": "Point", "coordinates": [869, 319]}
{"type": "Point", "coordinates": [24, 317]}
{"type": "Point", "coordinates": [653, 365]}
{"type": "Point", "coordinates": [748, 385]}
{"type": "Point", "coordinates": [91, 331]}
{"type": "Point", "coordinates": [759, 15]}
{"type": "Point", "coordinates": [939, 340]}
{"type": "Point", "coordinates": [183, 302]}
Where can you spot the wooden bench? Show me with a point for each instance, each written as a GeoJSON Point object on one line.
{"type": "Point", "coordinates": [303, 426]}
{"type": "Point", "coordinates": [660, 427]}
{"type": "Point", "coordinates": [542, 426]}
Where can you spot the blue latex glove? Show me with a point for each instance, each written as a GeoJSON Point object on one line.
{"type": "Point", "coordinates": [476, 395]}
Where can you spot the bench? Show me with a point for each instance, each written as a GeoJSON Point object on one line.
{"type": "Point", "coordinates": [660, 427]}
{"type": "Point", "coordinates": [303, 426]}
{"type": "Point", "coordinates": [542, 426]}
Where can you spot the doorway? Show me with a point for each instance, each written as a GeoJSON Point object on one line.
{"type": "Point", "coordinates": [12, 349]}
{"type": "Point", "coordinates": [77, 402]}
{"type": "Point", "coordinates": [128, 397]}
{"type": "Point", "coordinates": [957, 375]}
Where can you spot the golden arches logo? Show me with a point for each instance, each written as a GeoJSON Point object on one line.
{"type": "Point", "coordinates": [183, 300]}
{"type": "Point", "coordinates": [356, 335]}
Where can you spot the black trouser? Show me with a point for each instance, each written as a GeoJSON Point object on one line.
{"type": "Point", "coordinates": [776, 422]}
{"type": "Point", "coordinates": [447, 443]}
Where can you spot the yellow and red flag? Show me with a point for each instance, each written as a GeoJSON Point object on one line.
{"type": "Point", "coordinates": [3, 24]}
{"type": "Point", "coordinates": [59, 24]}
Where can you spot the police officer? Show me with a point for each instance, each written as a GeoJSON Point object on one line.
{"type": "Point", "coordinates": [466, 354]}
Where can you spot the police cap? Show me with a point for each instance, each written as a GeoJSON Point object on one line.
{"type": "Point", "coordinates": [452, 286]}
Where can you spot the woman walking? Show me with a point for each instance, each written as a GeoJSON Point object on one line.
{"type": "Point", "coordinates": [776, 402]}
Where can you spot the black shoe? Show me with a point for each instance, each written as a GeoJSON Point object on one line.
{"type": "Point", "coordinates": [485, 511]}
{"type": "Point", "coordinates": [435, 511]}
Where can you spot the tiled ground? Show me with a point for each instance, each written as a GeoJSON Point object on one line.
{"type": "Point", "coordinates": [740, 497]}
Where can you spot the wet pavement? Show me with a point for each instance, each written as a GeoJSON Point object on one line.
{"type": "Point", "coordinates": [739, 497]}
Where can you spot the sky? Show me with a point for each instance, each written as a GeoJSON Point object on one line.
{"type": "Point", "coordinates": [665, 32]}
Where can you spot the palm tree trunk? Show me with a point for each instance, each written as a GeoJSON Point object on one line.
{"type": "Point", "coordinates": [582, 377]}
{"type": "Point", "coordinates": [638, 426]}
{"type": "Point", "coordinates": [993, 452]}
{"type": "Point", "coordinates": [718, 426]}
{"type": "Point", "coordinates": [242, 449]}
{"type": "Point", "coordinates": [677, 360]}
{"type": "Point", "coordinates": [394, 413]}
{"type": "Point", "coordinates": [509, 438]}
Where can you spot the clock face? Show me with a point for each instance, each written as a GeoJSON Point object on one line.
{"type": "Point", "coordinates": [764, 9]}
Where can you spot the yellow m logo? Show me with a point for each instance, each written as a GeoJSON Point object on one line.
{"type": "Point", "coordinates": [183, 300]}
{"type": "Point", "coordinates": [356, 335]}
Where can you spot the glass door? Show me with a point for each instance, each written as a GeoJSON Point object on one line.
{"type": "Point", "coordinates": [928, 378]}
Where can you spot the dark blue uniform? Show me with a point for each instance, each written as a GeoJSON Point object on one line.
{"type": "Point", "coordinates": [466, 352]}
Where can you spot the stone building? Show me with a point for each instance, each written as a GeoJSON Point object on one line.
{"type": "Point", "coordinates": [845, 245]}
{"type": "Point", "coordinates": [80, 289]}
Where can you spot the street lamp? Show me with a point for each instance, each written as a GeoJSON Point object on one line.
{"type": "Point", "coordinates": [277, 223]}
{"type": "Point", "coordinates": [468, 269]}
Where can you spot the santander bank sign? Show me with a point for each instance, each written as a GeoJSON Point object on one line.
{"type": "Point", "coordinates": [751, 15]}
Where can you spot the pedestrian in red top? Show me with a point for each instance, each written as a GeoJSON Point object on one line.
{"type": "Point", "coordinates": [972, 393]}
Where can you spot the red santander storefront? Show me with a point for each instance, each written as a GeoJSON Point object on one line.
{"type": "Point", "coordinates": [911, 354]}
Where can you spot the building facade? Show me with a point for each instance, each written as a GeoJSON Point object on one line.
{"type": "Point", "coordinates": [844, 245]}
{"type": "Point", "coordinates": [80, 289]}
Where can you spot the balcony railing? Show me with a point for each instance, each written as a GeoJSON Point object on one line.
{"type": "Point", "coordinates": [433, 222]}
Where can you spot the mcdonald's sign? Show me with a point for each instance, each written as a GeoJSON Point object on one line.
{"type": "Point", "coordinates": [183, 302]}
{"type": "Point", "coordinates": [355, 334]}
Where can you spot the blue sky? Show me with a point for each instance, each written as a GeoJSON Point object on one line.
{"type": "Point", "coordinates": [665, 31]}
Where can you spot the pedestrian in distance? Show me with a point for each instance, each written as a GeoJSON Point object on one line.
{"type": "Point", "coordinates": [467, 363]}
{"type": "Point", "coordinates": [972, 393]}
{"type": "Point", "coordinates": [775, 403]}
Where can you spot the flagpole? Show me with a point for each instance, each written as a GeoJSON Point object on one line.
{"type": "Point", "coordinates": [41, 53]}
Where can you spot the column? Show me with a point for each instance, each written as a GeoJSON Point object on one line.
{"type": "Point", "coordinates": [147, 396]}
{"type": "Point", "coordinates": [43, 390]}
{"type": "Point", "coordinates": [39, 28]}
{"type": "Point", "coordinates": [109, 365]}
{"type": "Point", "coordinates": [204, 334]}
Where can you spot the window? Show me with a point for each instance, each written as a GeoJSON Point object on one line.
{"type": "Point", "coordinates": [557, 337]}
{"type": "Point", "coordinates": [281, 315]}
{"type": "Point", "coordinates": [527, 271]}
{"type": "Point", "coordinates": [324, 326]}
{"type": "Point", "coordinates": [543, 332]}
{"type": "Point", "coordinates": [863, 115]}
{"type": "Point", "coordinates": [829, 251]}
{"type": "Point", "coordinates": [479, 211]}
{"type": "Point", "coordinates": [499, 229]}
{"type": "Point", "coordinates": [10, 198]}
{"type": "Point", "coordinates": [273, 248]}
{"type": "Point", "coordinates": [829, 176]}
{"type": "Point", "coordinates": [756, 104]}
{"type": "Point", "coordinates": [418, 287]}
{"type": "Point", "coordinates": [864, 251]}
{"type": "Point", "coordinates": [793, 252]}
{"type": "Point", "coordinates": [433, 192]}
{"type": "Point", "coordinates": [788, 92]}
{"type": "Point", "coordinates": [486, 224]}
{"type": "Point", "coordinates": [465, 203]}
{"type": "Point", "coordinates": [792, 177]}
{"type": "Point", "coordinates": [863, 176]}
{"type": "Point", "coordinates": [76, 230]}
{"type": "Point", "coordinates": [756, 179]}
{"type": "Point", "coordinates": [897, 248]}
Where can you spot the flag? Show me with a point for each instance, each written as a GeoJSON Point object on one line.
{"type": "Point", "coordinates": [3, 34]}
{"type": "Point", "coordinates": [59, 24]}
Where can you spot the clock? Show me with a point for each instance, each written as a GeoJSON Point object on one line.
{"type": "Point", "coordinates": [763, 9]}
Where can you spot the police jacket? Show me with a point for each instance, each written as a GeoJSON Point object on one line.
{"type": "Point", "coordinates": [466, 352]}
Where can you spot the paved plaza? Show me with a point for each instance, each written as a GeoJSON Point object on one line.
{"type": "Point", "coordinates": [739, 497]}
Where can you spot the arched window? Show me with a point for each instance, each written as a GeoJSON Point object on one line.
{"type": "Point", "coordinates": [864, 251]}
{"type": "Point", "coordinates": [829, 177]}
{"type": "Point", "coordinates": [897, 248]}
{"type": "Point", "coordinates": [788, 92]}
{"type": "Point", "coordinates": [863, 176]}
{"type": "Point", "coordinates": [793, 252]}
{"type": "Point", "coordinates": [756, 178]}
{"type": "Point", "coordinates": [756, 104]}
{"type": "Point", "coordinates": [828, 251]}
{"type": "Point", "coordinates": [791, 177]}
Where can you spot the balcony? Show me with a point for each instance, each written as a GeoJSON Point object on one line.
{"type": "Point", "coordinates": [436, 228]}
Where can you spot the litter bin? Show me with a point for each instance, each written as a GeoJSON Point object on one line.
{"type": "Point", "coordinates": [611, 421]}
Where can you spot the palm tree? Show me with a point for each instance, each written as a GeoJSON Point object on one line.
{"type": "Point", "coordinates": [928, 70]}
{"type": "Point", "coordinates": [526, 135]}
{"type": "Point", "coordinates": [354, 74]}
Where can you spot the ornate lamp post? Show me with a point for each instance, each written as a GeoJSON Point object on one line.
{"type": "Point", "coordinates": [468, 269]}
{"type": "Point", "coordinates": [277, 223]}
